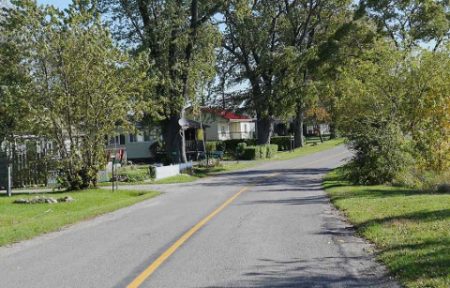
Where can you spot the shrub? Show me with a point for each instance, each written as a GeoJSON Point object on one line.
{"type": "Point", "coordinates": [271, 150]}
{"type": "Point", "coordinates": [250, 153]}
{"type": "Point", "coordinates": [221, 146]}
{"type": "Point", "coordinates": [133, 174]}
{"type": "Point", "coordinates": [232, 144]}
{"type": "Point", "coordinates": [240, 149]}
{"type": "Point", "coordinates": [381, 152]}
{"type": "Point", "coordinates": [424, 180]}
{"type": "Point", "coordinates": [283, 142]}
{"type": "Point", "coordinates": [211, 146]}
{"type": "Point", "coordinates": [215, 146]}
{"type": "Point", "coordinates": [152, 171]}
{"type": "Point", "coordinates": [259, 152]}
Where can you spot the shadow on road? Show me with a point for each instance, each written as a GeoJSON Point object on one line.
{"type": "Point", "coordinates": [316, 272]}
{"type": "Point", "coordinates": [287, 177]}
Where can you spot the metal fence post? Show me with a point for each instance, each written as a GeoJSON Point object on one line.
{"type": "Point", "coordinates": [9, 186]}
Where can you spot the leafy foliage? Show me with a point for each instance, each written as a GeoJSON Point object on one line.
{"type": "Point", "coordinates": [180, 39]}
{"type": "Point", "coordinates": [82, 87]}
{"type": "Point", "coordinates": [394, 110]}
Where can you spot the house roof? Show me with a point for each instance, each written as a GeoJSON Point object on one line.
{"type": "Point", "coordinates": [195, 124]}
{"type": "Point", "coordinates": [227, 114]}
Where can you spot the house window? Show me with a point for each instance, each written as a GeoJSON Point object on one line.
{"type": "Point", "coordinates": [224, 132]}
{"type": "Point", "coordinates": [133, 138]}
{"type": "Point", "coordinates": [245, 128]}
{"type": "Point", "coordinates": [122, 139]}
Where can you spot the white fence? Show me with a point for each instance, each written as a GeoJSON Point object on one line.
{"type": "Point", "coordinates": [172, 170]}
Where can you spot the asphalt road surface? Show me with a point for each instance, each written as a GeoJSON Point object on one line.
{"type": "Point", "coordinates": [271, 226]}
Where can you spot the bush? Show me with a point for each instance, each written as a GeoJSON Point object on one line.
{"type": "Point", "coordinates": [152, 171]}
{"type": "Point", "coordinates": [425, 181]}
{"type": "Point", "coordinates": [250, 153]}
{"type": "Point", "coordinates": [211, 146]}
{"type": "Point", "coordinates": [271, 150]}
{"type": "Point", "coordinates": [381, 152]}
{"type": "Point", "coordinates": [231, 145]}
{"type": "Point", "coordinates": [215, 146]}
{"type": "Point", "coordinates": [240, 149]}
{"type": "Point", "coordinates": [259, 152]}
{"type": "Point", "coordinates": [221, 146]}
{"type": "Point", "coordinates": [133, 174]}
{"type": "Point", "coordinates": [283, 142]}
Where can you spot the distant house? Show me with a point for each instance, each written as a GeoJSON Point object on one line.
{"type": "Point", "coordinates": [136, 146]}
{"type": "Point", "coordinates": [318, 129]}
{"type": "Point", "coordinates": [226, 125]}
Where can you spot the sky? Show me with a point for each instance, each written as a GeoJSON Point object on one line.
{"type": "Point", "coordinates": [58, 3]}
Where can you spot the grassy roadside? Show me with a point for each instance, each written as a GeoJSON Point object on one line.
{"type": "Point", "coordinates": [309, 149]}
{"type": "Point", "coordinates": [411, 229]}
{"type": "Point", "coordinates": [23, 221]}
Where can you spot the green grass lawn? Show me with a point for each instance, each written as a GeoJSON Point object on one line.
{"type": "Point", "coordinates": [182, 178]}
{"type": "Point", "coordinates": [309, 149]}
{"type": "Point", "coordinates": [24, 221]}
{"type": "Point", "coordinates": [411, 229]}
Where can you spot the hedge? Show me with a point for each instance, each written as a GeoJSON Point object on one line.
{"type": "Point", "coordinates": [232, 144]}
{"type": "Point", "coordinates": [259, 152]}
{"type": "Point", "coordinates": [283, 142]}
{"type": "Point", "coordinates": [271, 150]}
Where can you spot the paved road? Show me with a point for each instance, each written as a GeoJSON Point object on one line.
{"type": "Point", "coordinates": [280, 232]}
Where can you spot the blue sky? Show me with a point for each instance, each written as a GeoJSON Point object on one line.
{"type": "Point", "coordinates": [58, 3]}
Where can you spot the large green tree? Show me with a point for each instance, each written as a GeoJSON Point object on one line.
{"type": "Point", "coordinates": [252, 38]}
{"type": "Point", "coordinates": [312, 33]}
{"type": "Point", "coordinates": [275, 47]}
{"type": "Point", "coordinates": [13, 77]}
{"type": "Point", "coordinates": [181, 38]}
{"type": "Point", "coordinates": [409, 23]}
{"type": "Point", "coordinates": [82, 88]}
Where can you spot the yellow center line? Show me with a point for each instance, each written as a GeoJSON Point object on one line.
{"type": "Point", "coordinates": [163, 257]}
{"type": "Point", "coordinates": [150, 269]}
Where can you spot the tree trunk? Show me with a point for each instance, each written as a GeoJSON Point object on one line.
{"type": "Point", "coordinates": [172, 138]}
{"type": "Point", "coordinates": [320, 133]}
{"type": "Point", "coordinates": [299, 140]}
{"type": "Point", "coordinates": [333, 132]}
{"type": "Point", "coordinates": [264, 130]}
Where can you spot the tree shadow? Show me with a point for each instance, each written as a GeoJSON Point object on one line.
{"type": "Point", "coordinates": [422, 216]}
{"type": "Point", "coordinates": [296, 201]}
{"type": "Point", "coordinates": [433, 262]}
{"type": "Point", "coordinates": [315, 272]}
{"type": "Point", "coordinates": [266, 178]}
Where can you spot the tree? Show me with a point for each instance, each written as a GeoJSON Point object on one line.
{"type": "Point", "coordinates": [312, 31]}
{"type": "Point", "coordinates": [426, 111]}
{"type": "Point", "coordinates": [82, 87]}
{"type": "Point", "coordinates": [252, 38]}
{"type": "Point", "coordinates": [410, 22]}
{"type": "Point", "coordinates": [370, 109]}
{"type": "Point", "coordinates": [13, 77]}
{"type": "Point", "coordinates": [181, 38]}
{"type": "Point", "coordinates": [275, 47]}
